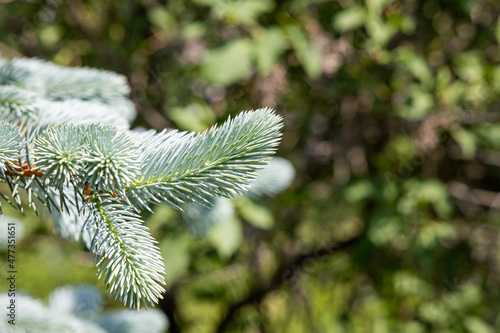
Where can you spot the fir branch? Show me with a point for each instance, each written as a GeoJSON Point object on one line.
{"type": "Point", "coordinates": [126, 253]}
{"type": "Point", "coordinates": [95, 178]}
{"type": "Point", "coordinates": [10, 141]}
{"type": "Point", "coordinates": [71, 224]}
{"type": "Point", "coordinates": [219, 162]}
{"type": "Point", "coordinates": [18, 105]}
{"type": "Point", "coordinates": [86, 112]}
{"type": "Point", "coordinates": [60, 152]}
{"type": "Point", "coordinates": [79, 309]}
{"type": "Point", "coordinates": [35, 317]}
{"type": "Point", "coordinates": [60, 83]}
{"type": "Point", "coordinates": [13, 76]}
{"type": "Point", "coordinates": [112, 158]}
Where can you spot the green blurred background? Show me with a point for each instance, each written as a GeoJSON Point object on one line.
{"type": "Point", "coordinates": [391, 121]}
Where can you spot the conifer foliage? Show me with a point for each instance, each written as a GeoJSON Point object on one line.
{"type": "Point", "coordinates": [65, 140]}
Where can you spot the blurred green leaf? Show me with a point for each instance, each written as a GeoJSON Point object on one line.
{"type": "Point", "coordinates": [269, 46]}
{"type": "Point", "coordinates": [413, 327]}
{"type": "Point", "coordinates": [495, 78]}
{"type": "Point", "coordinates": [435, 312]}
{"type": "Point", "coordinates": [247, 11]}
{"type": "Point", "coordinates": [194, 30]}
{"type": "Point", "coordinates": [408, 283]}
{"type": "Point", "coordinates": [380, 31]}
{"type": "Point", "coordinates": [359, 190]}
{"type": "Point", "coordinates": [350, 18]}
{"type": "Point", "coordinates": [254, 213]}
{"type": "Point", "coordinates": [226, 237]}
{"type": "Point", "coordinates": [307, 54]}
{"type": "Point", "coordinates": [375, 6]}
{"type": "Point", "coordinates": [50, 34]}
{"type": "Point", "coordinates": [488, 135]}
{"type": "Point", "coordinates": [194, 117]}
{"type": "Point", "coordinates": [430, 192]}
{"type": "Point", "coordinates": [416, 65]}
{"type": "Point", "coordinates": [469, 66]}
{"type": "Point", "coordinates": [477, 325]}
{"type": "Point", "coordinates": [229, 63]}
{"type": "Point", "coordinates": [162, 18]}
{"type": "Point", "coordinates": [384, 229]}
{"type": "Point", "coordinates": [462, 297]}
{"type": "Point", "coordinates": [238, 12]}
{"type": "Point", "coordinates": [432, 232]}
{"type": "Point", "coordinates": [467, 142]}
{"type": "Point", "coordinates": [419, 102]}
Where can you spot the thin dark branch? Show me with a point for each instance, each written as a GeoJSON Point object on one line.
{"type": "Point", "coordinates": [283, 274]}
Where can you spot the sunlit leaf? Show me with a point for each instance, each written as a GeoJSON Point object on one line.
{"type": "Point", "coordinates": [229, 63]}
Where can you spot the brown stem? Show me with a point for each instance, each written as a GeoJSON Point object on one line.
{"type": "Point", "coordinates": [24, 170]}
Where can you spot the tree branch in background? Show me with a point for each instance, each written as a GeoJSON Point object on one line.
{"type": "Point", "coordinates": [284, 273]}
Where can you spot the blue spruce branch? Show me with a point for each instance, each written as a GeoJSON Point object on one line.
{"type": "Point", "coordinates": [65, 140]}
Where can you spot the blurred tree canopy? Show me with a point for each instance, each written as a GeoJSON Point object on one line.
{"type": "Point", "coordinates": [391, 109]}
